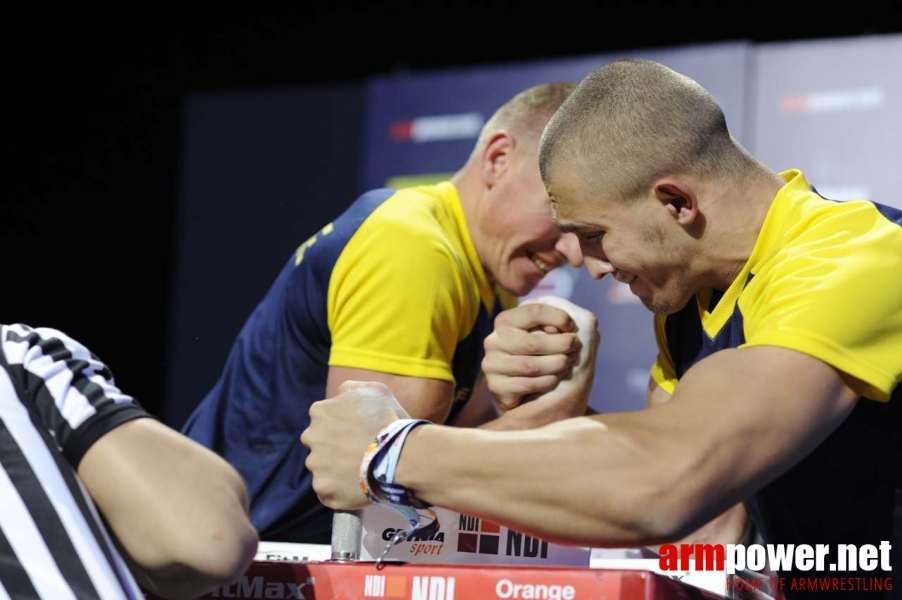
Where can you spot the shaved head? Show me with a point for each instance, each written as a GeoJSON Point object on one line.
{"type": "Point", "coordinates": [632, 121]}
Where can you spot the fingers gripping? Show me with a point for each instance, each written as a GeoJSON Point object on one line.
{"type": "Point", "coordinates": [537, 345]}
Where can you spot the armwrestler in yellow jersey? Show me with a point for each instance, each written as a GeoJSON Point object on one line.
{"type": "Point", "coordinates": [401, 288]}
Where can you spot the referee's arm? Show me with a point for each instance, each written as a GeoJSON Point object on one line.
{"type": "Point", "coordinates": [179, 510]}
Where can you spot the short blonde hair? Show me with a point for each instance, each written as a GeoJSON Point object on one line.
{"type": "Point", "coordinates": [527, 112]}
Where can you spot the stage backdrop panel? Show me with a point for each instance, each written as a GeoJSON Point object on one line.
{"type": "Point", "coordinates": [422, 127]}
{"type": "Point", "coordinates": [833, 108]}
{"type": "Point", "coordinates": [262, 171]}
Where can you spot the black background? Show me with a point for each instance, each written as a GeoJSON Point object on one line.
{"type": "Point", "coordinates": [93, 126]}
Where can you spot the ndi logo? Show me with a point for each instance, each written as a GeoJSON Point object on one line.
{"type": "Point", "coordinates": [432, 588]}
{"type": "Point", "coordinates": [389, 587]}
{"type": "Point", "coordinates": [477, 536]}
{"type": "Point", "coordinates": [483, 537]}
{"type": "Point", "coordinates": [519, 544]}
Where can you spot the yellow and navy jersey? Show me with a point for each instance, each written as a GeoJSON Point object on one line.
{"type": "Point", "coordinates": [393, 285]}
{"type": "Point", "coordinates": [824, 278]}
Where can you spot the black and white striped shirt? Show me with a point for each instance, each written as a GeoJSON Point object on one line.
{"type": "Point", "coordinates": [56, 400]}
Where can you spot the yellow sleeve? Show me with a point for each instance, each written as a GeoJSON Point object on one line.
{"type": "Point", "coordinates": [663, 371]}
{"type": "Point", "coordinates": [841, 303]}
{"type": "Point", "coordinates": [399, 300]}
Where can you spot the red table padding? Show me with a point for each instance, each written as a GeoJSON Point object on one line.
{"type": "Point", "coordinates": [363, 581]}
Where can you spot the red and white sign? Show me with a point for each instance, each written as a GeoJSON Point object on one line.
{"type": "Point", "coordinates": [364, 581]}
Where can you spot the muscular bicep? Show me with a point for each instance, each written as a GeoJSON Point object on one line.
{"type": "Point", "coordinates": [742, 417]}
{"type": "Point", "coordinates": [421, 397]}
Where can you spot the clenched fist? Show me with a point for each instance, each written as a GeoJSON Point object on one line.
{"type": "Point", "coordinates": [341, 429]}
{"type": "Point", "coordinates": [541, 355]}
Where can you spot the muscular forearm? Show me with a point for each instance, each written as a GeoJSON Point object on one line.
{"type": "Point", "coordinates": [579, 481]}
{"type": "Point", "coordinates": [641, 477]}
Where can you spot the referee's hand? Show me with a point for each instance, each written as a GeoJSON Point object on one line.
{"type": "Point", "coordinates": [341, 428]}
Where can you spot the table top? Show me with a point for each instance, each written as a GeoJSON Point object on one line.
{"type": "Point", "coordinates": [324, 580]}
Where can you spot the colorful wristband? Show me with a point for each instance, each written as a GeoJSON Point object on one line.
{"type": "Point", "coordinates": [377, 479]}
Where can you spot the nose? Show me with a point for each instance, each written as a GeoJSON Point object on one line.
{"type": "Point", "coordinates": [568, 246]}
{"type": "Point", "coordinates": [597, 267]}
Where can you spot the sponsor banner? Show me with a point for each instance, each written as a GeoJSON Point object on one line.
{"type": "Point", "coordinates": [827, 107]}
{"type": "Point", "coordinates": [461, 539]}
{"type": "Point", "coordinates": [436, 128]}
{"type": "Point", "coordinates": [365, 581]}
{"type": "Point", "coordinates": [821, 101]}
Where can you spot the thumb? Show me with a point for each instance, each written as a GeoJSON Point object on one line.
{"type": "Point", "coordinates": [505, 402]}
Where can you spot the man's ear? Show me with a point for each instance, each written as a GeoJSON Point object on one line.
{"type": "Point", "coordinates": [679, 198]}
{"type": "Point", "coordinates": [496, 157]}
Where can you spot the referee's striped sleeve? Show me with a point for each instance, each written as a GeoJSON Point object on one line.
{"type": "Point", "coordinates": [56, 399]}
{"type": "Point", "coordinates": [72, 391]}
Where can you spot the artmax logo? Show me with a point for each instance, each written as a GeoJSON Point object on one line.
{"type": "Point", "coordinates": [483, 537]}
{"type": "Point", "coordinates": [257, 587]}
{"type": "Point", "coordinates": [389, 587]}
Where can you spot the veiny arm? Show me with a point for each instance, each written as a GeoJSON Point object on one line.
{"type": "Point", "coordinates": [736, 421]}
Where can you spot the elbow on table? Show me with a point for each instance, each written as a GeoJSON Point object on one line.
{"type": "Point", "coordinates": [230, 552]}
{"type": "Point", "coordinates": [211, 549]}
{"type": "Point", "coordinates": [211, 559]}
{"type": "Point", "coordinates": [225, 546]}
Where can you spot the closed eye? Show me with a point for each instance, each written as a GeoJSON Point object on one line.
{"type": "Point", "coordinates": [593, 238]}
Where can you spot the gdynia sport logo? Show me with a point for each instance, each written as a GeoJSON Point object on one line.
{"type": "Point", "coordinates": [815, 566]}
